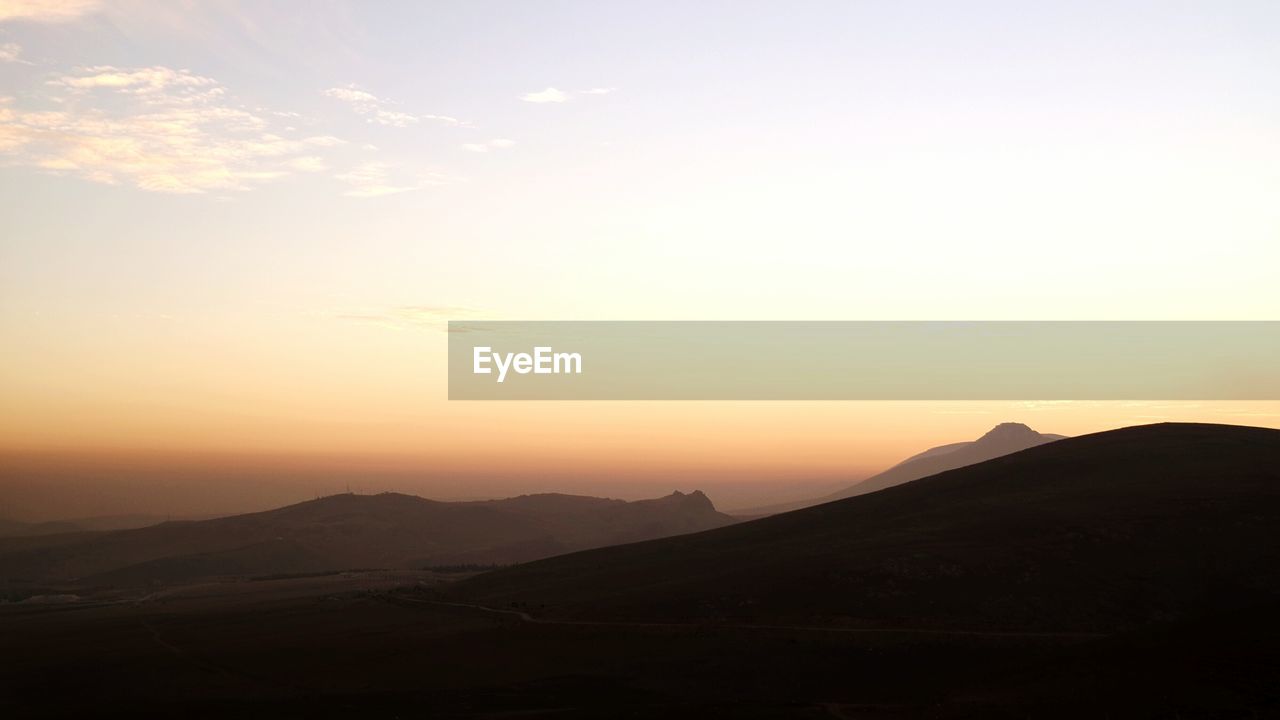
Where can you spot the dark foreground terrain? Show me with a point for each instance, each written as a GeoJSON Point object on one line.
{"type": "Point", "coordinates": [1100, 533]}
{"type": "Point", "coordinates": [348, 646]}
{"type": "Point", "coordinates": [1123, 574]}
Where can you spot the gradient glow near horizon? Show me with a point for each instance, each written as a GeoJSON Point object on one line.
{"type": "Point", "coordinates": [238, 228]}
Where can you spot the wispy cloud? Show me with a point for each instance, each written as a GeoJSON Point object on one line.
{"type": "Point", "coordinates": [380, 111]}
{"type": "Point", "coordinates": [553, 95]}
{"type": "Point", "coordinates": [375, 179]}
{"type": "Point", "coordinates": [137, 81]}
{"type": "Point", "coordinates": [157, 128]}
{"type": "Point", "coordinates": [550, 95]}
{"type": "Point", "coordinates": [10, 137]}
{"type": "Point", "coordinates": [12, 52]}
{"type": "Point", "coordinates": [494, 144]}
{"type": "Point", "coordinates": [46, 10]}
{"type": "Point", "coordinates": [352, 95]}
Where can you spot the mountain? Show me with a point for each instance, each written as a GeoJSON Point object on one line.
{"type": "Point", "coordinates": [354, 531]}
{"type": "Point", "coordinates": [1003, 439]}
{"type": "Point", "coordinates": [1095, 533]}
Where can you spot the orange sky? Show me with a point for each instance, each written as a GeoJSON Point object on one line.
{"type": "Point", "coordinates": [232, 232]}
{"type": "Point", "coordinates": [741, 453]}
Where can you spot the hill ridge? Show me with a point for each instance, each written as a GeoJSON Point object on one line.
{"type": "Point", "coordinates": [347, 530]}
{"type": "Point", "coordinates": [1091, 533]}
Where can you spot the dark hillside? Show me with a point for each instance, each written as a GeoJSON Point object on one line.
{"type": "Point", "coordinates": [1105, 531]}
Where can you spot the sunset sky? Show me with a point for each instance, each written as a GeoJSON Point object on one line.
{"type": "Point", "coordinates": [231, 233]}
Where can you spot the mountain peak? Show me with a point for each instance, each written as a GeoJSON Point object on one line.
{"type": "Point", "coordinates": [1007, 431]}
{"type": "Point", "coordinates": [696, 500]}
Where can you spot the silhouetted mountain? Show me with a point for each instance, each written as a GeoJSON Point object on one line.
{"type": "Point", "coordinates": [355, 531]}
{"type": "Point", "coordinates": [1099, 532]}
{"type": "Point", "coordinates": [1003, 439]}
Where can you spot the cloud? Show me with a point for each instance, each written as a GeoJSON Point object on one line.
{"type": "Point", "coordinates": [140, 81]}
{"type": "Point", "coordinates": [46, 10]}
{"type": "Point", "coordinates": [10, 137]}
{"type": "Point", "coordinates": [550, 95]}
{"type": "Point", "coordinates": [494, 144]}
{"type": "Point", "coordinates": [375, 179]}
{"type": "Point", "coordinates": [352, 95]}
{"type": "Point", "coordinates": [156, 128]}
{"type": "Point", "coordinates": [11, 52]}
{"type": "Point", "coordinates": [393, 118]}
{"type": "Point", "coordinates": [375, 110]}
{"type": "Point", "coordinates": [444, 119]}
{"type": "Point", "coordinates": [135, 81]}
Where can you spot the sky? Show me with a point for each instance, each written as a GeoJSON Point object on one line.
{"type": "Point", "coordinates": [231, 233]}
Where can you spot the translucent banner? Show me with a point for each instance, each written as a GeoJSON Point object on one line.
{"type": "Point", "coordinates": [944, 360]}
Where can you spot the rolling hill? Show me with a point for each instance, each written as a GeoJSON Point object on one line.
{"type": "Point", "coordinates": [1096, 533]}
{"type": "Point", "coordinates": [354, 531]}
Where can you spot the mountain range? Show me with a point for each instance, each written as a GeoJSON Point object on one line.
{"type": "Point", "coordinates": [347, 531]}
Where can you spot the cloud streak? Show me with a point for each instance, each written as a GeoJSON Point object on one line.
{"type": "Point", "coordinates": [550, 95]}
{"type": "Point", "coordinates": [380, 111]}
{"type": "Point", "coordinates": [138, 81]}
{"type": "Point", "coordinates": [157, 128]}
{"type": "Point", "coordinates": [377, 179]}
{"type": "Point", "coordinates": [170, 130]}
{"type": "Point", "coordinates": [12, 52]}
